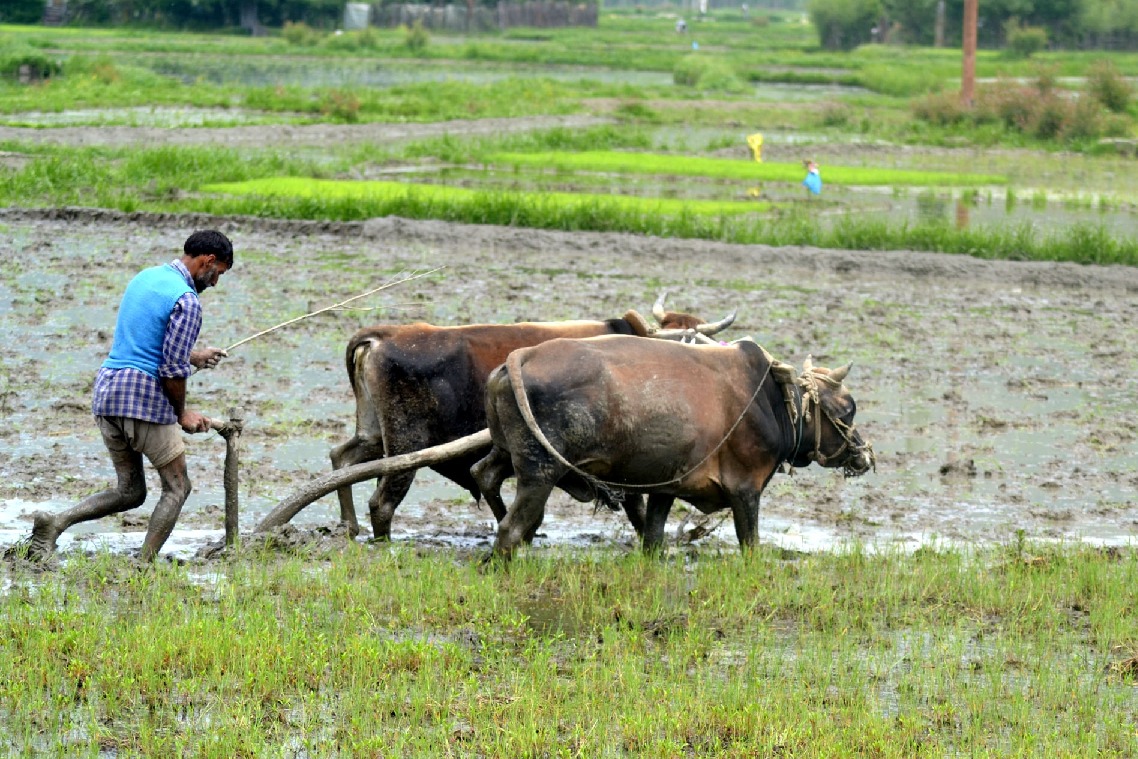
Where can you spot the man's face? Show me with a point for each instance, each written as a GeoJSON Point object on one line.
{"type": "Point", "coordinates": [209, 273]}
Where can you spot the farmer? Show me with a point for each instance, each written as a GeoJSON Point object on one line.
{"type": "Point", "coordinates": [140, 393]}
{"type": "Point", "coordinates": [813, 180]}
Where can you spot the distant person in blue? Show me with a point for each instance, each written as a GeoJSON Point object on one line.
{"type": "Point", "coordinates": [139, 398]}
{"type": "Point", "coordinates": [813, 180]}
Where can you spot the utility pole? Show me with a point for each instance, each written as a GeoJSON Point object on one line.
{"type": "Point", "coordinates": [968, 75]}
{"type": "Point", "coordinates": [939, 33]}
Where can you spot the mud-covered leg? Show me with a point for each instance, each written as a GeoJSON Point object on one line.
{"type": "Point", "coordinates": [659, 506]}
{"type": "Point", "coordinates": [522, 519]}
{"type": "Point", "coordinates": [175, 490]}
{"type": "Point", "coordinates": [490, 472]}
{"type": "Point", "coordinates": [129, 493]}
{"type": "Point", "coordinates": [387, 497]}
{"type": "Point", "coordinates": [745, 510]}
{"type": "Point", "coordinates": [355, 451]}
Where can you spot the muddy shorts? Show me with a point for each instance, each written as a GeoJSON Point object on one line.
{"type": "Point", "coordinates": [160, 443]}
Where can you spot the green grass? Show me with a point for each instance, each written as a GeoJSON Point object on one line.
{"type": "Point", "coordinates": [681, 165]}
{"type": "Point", "coordinates": [381, 650]}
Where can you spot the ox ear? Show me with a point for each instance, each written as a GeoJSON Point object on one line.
{"type": "Point", "coordinates": [658, 307]}
{"type": "Point", "coordinates": [839, 374]}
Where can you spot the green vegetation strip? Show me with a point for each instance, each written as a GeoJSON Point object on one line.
{"type": "Point", "coordinates": [721, 168]}
{"type": "Point", "coordinates": [170, 179]}
{"type": "Point", "coordinates": [456, 196]}
{"type": "Point", "coordinates": [395, 651]}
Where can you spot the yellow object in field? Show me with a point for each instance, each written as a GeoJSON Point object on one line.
{"type": "Point", "coordinates": [755, 141]}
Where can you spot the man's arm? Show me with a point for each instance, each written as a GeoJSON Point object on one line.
{"type": "Point", "coordinates": [181, 334]}
{"type": "Point", "coordinates": [190, 421]}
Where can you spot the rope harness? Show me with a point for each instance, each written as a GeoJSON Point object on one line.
{"type": "Point", "coordinates": [798, 393]}
{"type": "Point", "coordinates": [807, 384]}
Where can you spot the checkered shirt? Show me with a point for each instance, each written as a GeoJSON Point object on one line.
{"type": "Point", "coordinates": [131, 393]}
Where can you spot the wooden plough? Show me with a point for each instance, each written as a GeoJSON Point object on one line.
{"type": "Point", "coordinates": [350, 475]}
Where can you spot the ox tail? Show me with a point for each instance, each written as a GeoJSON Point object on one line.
{"type": "Point", "coordinates": [355, 358]}
{"type": "Point", "coordinates": [611, 497]}
{"type": "Point", "coordinates": [358, 347]}
{"type": "Point", "coordinates": [514, 371]}
{"type": "Point", "coordinates": [360, 360]}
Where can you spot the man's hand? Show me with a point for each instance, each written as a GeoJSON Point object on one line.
{"type": "Point", "coordinates": [207, 358]}
{"type": "Point", "coordinates": [192, 422]}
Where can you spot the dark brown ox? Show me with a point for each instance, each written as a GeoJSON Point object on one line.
{"type": "Point", "coordinates": [418, 386]}
{"type": "Point", "coordinates": [708, 424]}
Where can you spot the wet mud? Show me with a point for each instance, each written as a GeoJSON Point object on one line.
{"type": "Point", "coordinates": [999, 396]}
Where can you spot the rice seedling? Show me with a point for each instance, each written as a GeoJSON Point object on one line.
{"type": "Point", "coordinates": [683, 165]}
{"type": "Point", "coordinates": [518, 205]}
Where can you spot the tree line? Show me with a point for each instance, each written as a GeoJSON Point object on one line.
{"type": "Point", "coordinates": [195, 14]}
{"type": "Point", "coordinates": [845, 24]}
{"type": "Point", "coordinates": [841, 24]}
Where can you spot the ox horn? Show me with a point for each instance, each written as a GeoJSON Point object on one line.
{"type": "Point", "coordinates": [658, 307]}
{"type": "Point", "coordinates": [712, 327]}
{"type": "Point", "coordinates": [839, 374]}
{"type": "Point", "coordinates": [808, 364]}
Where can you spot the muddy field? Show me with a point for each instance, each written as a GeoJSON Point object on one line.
{"type": "Point", "coordinates": [999, 396]}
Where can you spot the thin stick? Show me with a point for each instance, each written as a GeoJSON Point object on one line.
{"type": "Point", "coordinates": [341, 304]}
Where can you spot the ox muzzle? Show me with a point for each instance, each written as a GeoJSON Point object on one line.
{"type": "Point", "coordinates": [859, 458]}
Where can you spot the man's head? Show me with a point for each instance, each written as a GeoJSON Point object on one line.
{"type": "Point", "coordinates": [208, 255]}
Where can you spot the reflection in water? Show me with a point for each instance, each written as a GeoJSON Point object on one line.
{"type": "Point", "coordinates": [931, 206]}
{"type": "Point", "coordinates": [961, 214]}
{"type": "Point", "coordinates": [995, 208]}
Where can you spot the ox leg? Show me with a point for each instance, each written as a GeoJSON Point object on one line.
{"type": "Point", "coordinates": [523, 518]}
{"type": "Point", "coordinates": [355, 451]}
{"type": "Point", "coordinates": [745, 510]}
{"type": "Point", "coordinates": [659, 506]}
{"type": "Point", "coordinates": [633, 504]}
{"type": "Point", "coordinates": [389, 493]}
{"type": "Point", "coordinates": [489, 473]}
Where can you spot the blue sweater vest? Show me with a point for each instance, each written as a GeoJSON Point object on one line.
{"type": "Point", "coordinates": [141, 325]}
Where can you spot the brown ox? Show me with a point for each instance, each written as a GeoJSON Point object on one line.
{"type": "Point", "coordinates": [419, 386]}
{"type": "Point", "coordinates": [708, 424]}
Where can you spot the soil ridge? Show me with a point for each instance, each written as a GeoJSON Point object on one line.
{"type": "Point", "coordinates": [881, 264]}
